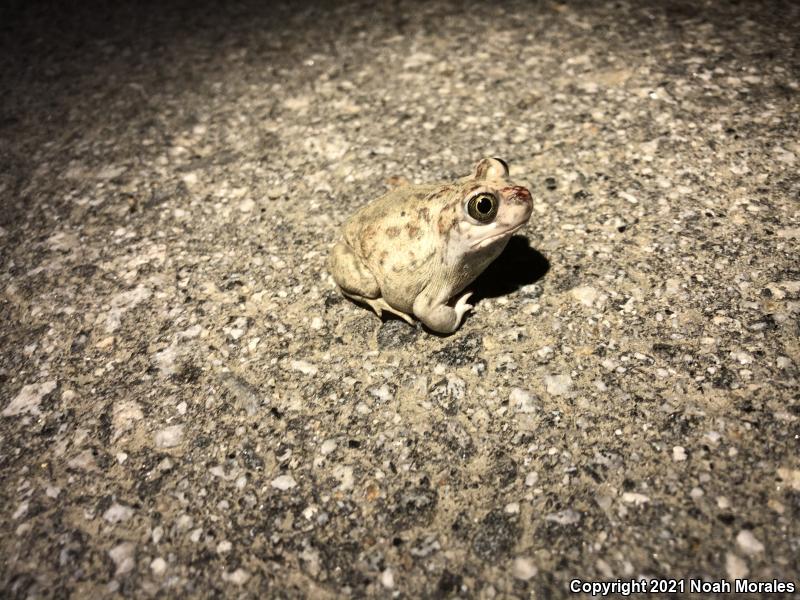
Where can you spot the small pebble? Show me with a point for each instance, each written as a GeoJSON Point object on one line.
{"type": "Point", "coordinates": [748, 543]}
{"type": "Point", "coordinates": [635, 499]}
{"type": "Point", "coordinates": [158, 533]}
{"type": "Point", "coordinates": [387, 579]}
{"type": "Point", "coordinates": [123, 556]}
{"type": "Point", "coordinates": [118, 513]}
{"type": "Point", "coordinates": [558, 385]}
{"type": "Point", "coordinates": [284, 482]}
{"type": "Point", "coordinates": [522, 401]}
{"type": "Point", "coordinates": [523, 568]}
{"type": "Point", "coordinates": [238, 577]}
{"type": "Point", "coordinates": [21, 510]}
{"type": "Point", "coordinates": [169, 437]}
{"type": "Point", "coordinates": [735, 566]}
{"type": "Point", "coordinates": [158, 566]}
{"type": "Point", "coordinates": [585, 295]}
{"type": "Point", "coordinates": [304, 367]}
{"type": "Point", "coordinates": [327, 447]}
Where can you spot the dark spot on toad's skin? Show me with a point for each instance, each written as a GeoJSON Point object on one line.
{"type": "Point", "coordinates": [392, 232]}
{"type": "Point", "coordinates": [369, 232]}
{"type": "Point", "coordinates": [412, 230]}
{"type": "Point", "coordinates": [424, 213]}
{"type": "Point", "coordinates": [442, 224]}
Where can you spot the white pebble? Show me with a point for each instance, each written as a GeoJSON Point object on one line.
{"type": "Point", "coordinates": [564, 517]}
{"type": "Point", "coordinates": [185, 522]}
{"type": "Point", "coordinates": [387, 579]}
{"type": "Point", "coordinates": [158, 566]}
{"type": "Point", "coordinates": [158, 533]}
{"type": "Point", "coordinates": [169, 436]}
{"type": "Point", "coordinates": [238, 577]}
{"type": "Point", "coordinates": [634, 498]}
{"type": "Point", "coordinates": [284, 482]}
{"type": "Point", "coordinates": [523, 568]}
{"type": "Point", "coordinates": [123, 556]}
{"type": "Point", "coordinates": [748, 543]}
{"type": "Point", "coordinates": [327, 447]}
{"type": "Point", "coordinates": [558, 385]}
{"type": "Point", "coordinates": [383, 393]}
{"type": "Point", "coordinates": [118, 513]}
{"type": "Point", "coordinates": [586, 295]}
{"type": "Point", "coordinates": [678, 453]}
{"type": "Point", "coordinates": [306, 368]}
{"type": "Point", "coordinates": [21, 510]}
{"type": "Point", "coordinates": [28, 399]}
{"type": "Point", "coordinates": [522, 400]}
{"type": "Point", "coordinates": [735, 566]}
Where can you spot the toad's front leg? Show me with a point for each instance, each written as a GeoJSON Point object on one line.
{"type": "Point", "coordinates": [436, 314]}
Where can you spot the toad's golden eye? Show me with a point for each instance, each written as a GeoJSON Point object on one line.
{"type": "Point", "coordinates": [482, 208]}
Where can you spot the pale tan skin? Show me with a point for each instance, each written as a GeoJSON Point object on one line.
{"type": "Point", "coordinates": [416, 248]}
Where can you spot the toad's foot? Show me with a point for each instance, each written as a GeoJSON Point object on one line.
{"type": "Point", "coordinates": [379, 305]}
{"type": "Point", "coordinates": [441, 317]}
{"type": "Point", "coordinates": [462, 307]}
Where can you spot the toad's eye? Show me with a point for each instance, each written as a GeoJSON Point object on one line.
{"type": "Point", "coordinates": [482, 208]}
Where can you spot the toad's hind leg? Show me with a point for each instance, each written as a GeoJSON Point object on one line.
{"type": "Point", "coordinates": [351, 274]}
{"type": "Point", "coordinates": [357, 282]}
{"type": "Point", "coordinates": [379, 304]}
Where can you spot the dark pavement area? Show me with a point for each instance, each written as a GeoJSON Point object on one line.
{"type": "Point", "coordinates": [189, 408]}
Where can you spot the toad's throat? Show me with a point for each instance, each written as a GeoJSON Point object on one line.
{"type": "Point", "coordinates": [492, 238]}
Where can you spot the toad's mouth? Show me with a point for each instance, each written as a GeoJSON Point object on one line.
{"type": "Point", "coordinates": [487, 241]}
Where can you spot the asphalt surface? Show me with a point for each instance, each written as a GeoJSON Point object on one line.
{"type": "Point", "coordinates": [188, 408]}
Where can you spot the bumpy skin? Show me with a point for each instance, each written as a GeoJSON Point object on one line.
{"type": "Point", "coordinates": [411, 251]}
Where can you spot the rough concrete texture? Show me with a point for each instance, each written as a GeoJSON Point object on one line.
{"type": "Point", "coordinates": [190, 409]}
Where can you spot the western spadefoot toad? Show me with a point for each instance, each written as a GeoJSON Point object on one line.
{"type": "Point", "coordinates": [416, 248]}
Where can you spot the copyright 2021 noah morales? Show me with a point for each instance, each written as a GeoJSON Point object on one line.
{"type": "Point", "coordinates": [623, 587]}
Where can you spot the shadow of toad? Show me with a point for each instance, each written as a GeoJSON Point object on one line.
{"type": "Point", "coordinates": [517, 266]}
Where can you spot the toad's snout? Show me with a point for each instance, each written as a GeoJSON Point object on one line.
{"type": "Point", "coordinates": [518, 196]}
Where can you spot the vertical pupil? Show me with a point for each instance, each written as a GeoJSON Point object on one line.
{"type": "Point", "coordinates": [484, 205]}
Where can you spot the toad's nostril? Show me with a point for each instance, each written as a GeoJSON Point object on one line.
{"type": "Point", "coordinates": [517, 194]}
